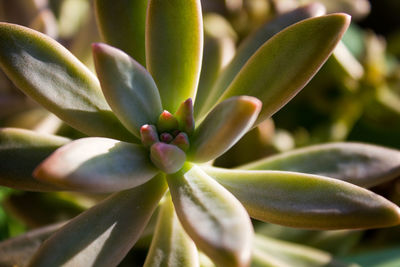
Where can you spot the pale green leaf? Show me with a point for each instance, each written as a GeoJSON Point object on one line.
{"type": "Point", "coordinates": [122, 24]}
{"type": "Point", "coordinates": [20, 153]}
{"type": "Point", "coordinates": [223, 127]}
{"type": "Point", "coordinates": [361, 164]}
{"type": "Point", "coordinates": [307, 201]}
{"type": "Point", "coordinates": [279, 69]}
{"type": "Point", "coordinates": [129, 89]}
{"type": "Point", "coordinates": [52, 76]}
{"type": "Point", "coordinates": [212, 217]}
{"type": "Point", "coordinates": [174, 46]}
{"type": "Point", "coordinates": [97, 164]}
{"type": "Point", "coordinates": [104, 234]}
{"type": "Point", "coordinates": [171, 246]}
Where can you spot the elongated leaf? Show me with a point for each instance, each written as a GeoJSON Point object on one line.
{"type": "Point", "coordinates": [122, 25]}
{"type": "Point", "coordinates": [251, 44]}
{"type": "Point", "coordinates": [20, 153]}
{"type": "Point", "coordinates": [51, 75]}
{"type": "Point", "coordinates": [104, 234]}
{"type": "Point", "coordinates": [171, 246]}
{"type": "Point", "coordinates": [307, 201]}
{"type": "Point", "coordinates": [97, 165]}
{"type": "Point", "coordinates": [223, 127]}
{"type": "Point", "coordinates": [128, 87]}
{"type": "Point", "coordinates": [275, 251]}
{"type": "Point", "coordinates": [174, 46]}
{"type": "Point", "coordinates": [279, 70]}
{"type": "Point", "coordinates": [212, 217]}
{"type": "Point", "coordinates": [360, 164]}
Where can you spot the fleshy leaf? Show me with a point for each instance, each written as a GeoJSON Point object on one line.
{"type": "Point", "coordinates": [307, 201]}
{"type": "Point", "coordinates": [276, 253]}
{"type": "Point", "coordinates": [251, 44]}
{"type": "Point", "coordinates": [20, 152]}
{"type": "Point", "coordinates": [278, 70]}
{"type": "Point", "coordinates": [174, 46]}
{"type": "Point", "coordinates": [171, 246]}
{"type": "Point", "coordinates": [122, 24]}
{"type": "Point", "coordinates": [129, 89]}
{"type": "Point", "coordinates": [360, 164]}
{"type": "Point", "coordinates": [168, 158]}
{"type": "Point", "coordinates": [102, 235]}
{"type": "Point", "coordinates": [52, 76]}
{"type": "Point", "coordinates": [211, 216]}
{"type": "Point", "coordinates": [223, 127]}
{"type": "Point", "coordinates": [97, 165]}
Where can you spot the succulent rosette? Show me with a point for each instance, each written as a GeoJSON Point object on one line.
{"type": "Point", "coordinates": [150, 147]}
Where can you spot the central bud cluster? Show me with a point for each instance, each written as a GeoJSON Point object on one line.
{"type": "Point", "coordinates": [169, 139]}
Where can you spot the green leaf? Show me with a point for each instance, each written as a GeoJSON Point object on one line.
{"type": "Point", "coordinates": [388, 257]}
{"type": "Point", "coordinates": [251, 44]}
{"type": "Point", "coordinates": [211, 216]}
{"type": "Point", "coordinates": [171, 246]}
{"type": "Point", "coordinates": [174, 46]}
{"type": "Point", "coordinates": [360, 164]}
{"type": "Point", "coordinates": [52, 76]}
{"type": "Point", "coordinates": [276, 253]}
{"type": "Point", "coordinates": [20, 152]}
{"type": "Point", "coordinates": [279, 69]}
{"type": "Point", "coordinates": [97, 165]}
{"type": "Point", "coordinates": [223, 127]}
{"type": "Point", "coordinates": [103, 235]}
{"type": "Point", "coordinates": [307, 201]}
{"type": "Point", "coordinates": [122, 24]}
{"type": "Point", "coordinates": [129, 89]}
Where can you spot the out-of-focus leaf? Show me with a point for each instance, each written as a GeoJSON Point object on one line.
{"type": "Point", "coordinates": [276, 253]}
{"type": "Point", "coordinates": [104, 234]}
{"type": "Point", "coordinates": [279, 70]}
{"type": "Point", "coordinates": [212, 217]}
{"type": "Point", "coordinates": [20, 153]}
{"type": "Point", "coordinates": [174, 46]}
{"type": "Point", "coordinates": [307, 201]}
{"type": "Point", "coordinates": [18, 250]}
{"type": "Point", "coordinates": [122, 25]}
{"type": "Point", "coordinates": [360, 164]}
{"type": "Point", "coordinates": [389, 257]}
{"type": "Point", "coordinates": [223, 127]}
{"type": "Point", "coordinates": [251, 44]}
{"type": "Point", "coordinates": [97, 164]}
{"type": "Point", "coordinates": [171, 246]}
{"type": "Point", "coordinates": [128, 87]}
{"type": "Point", "coordinates": [51, 75]}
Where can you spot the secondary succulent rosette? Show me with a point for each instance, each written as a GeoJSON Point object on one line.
{"type": "Point", "coordinates": [148, 140]}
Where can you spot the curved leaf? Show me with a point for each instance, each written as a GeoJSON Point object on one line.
{"type": "Point", "coordinates": [128, 87]}
{"type": "Point", "coordinates": [122, 24]}
{"type": "Point", "coordinates": [97, 165]}
{"type": "Point", "coordinates": [279, 70]}
{"type": "Point", "coordinates": [102, 235]}
{"type": "Point", "coordinates": [20, 153]}
{"type": "Point", "coordinates": [171, 246]}
{"type": "Point", "coordinates": [251, 44]}
{"type": "Point", "coordinates": [307, 201]}
{"type": "Point", "coordinates": [52, 76]}
{"type": "Point", "coordinates": [223, 127]}
{"type": "Point", "coordinates": [360, 164]}
{"type": "Point", "coordinates": [174, 47]}
{"type": "Point", "coordinates": [212, 217]}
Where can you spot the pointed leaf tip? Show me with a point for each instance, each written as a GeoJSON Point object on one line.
{"type": "Point", "coordinates": [185, 117]}
{"type": "Point", "coordinates": [168, 158]}
{"type": "Point", "coordinates": [149, 135]}
{"type": "Point", "coordinates": [167, 122]}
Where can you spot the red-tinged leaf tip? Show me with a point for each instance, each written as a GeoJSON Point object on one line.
{"type": "Point", "coordinates": [167, 158]}
{"type": "Point", "coordinates": [185, 117]}
{"type": "Point", "coordinates": [166, 137]}
{"type": "Point", "coordinates": [148, 135]}
{"type": "Point", "coordinates": [181, 141]}
{"type": "Point", "coordinates": [167, 122]}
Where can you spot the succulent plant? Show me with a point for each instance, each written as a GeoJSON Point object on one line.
{"type": "Point", "coordinates": [148, 146]}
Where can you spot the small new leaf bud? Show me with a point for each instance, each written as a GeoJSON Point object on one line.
{"type": "Point", "coordinates": [181, 141]}
{"type": "Point", "coordinates": [168, 158]}
{"type": "Point", "coordinates": [184, 116]}
{"type": "Point", "coordinates": [167, 122]}
{"type": "Point", "coordinates": [166, 137]}
{"type": "Point", "coordinates": [148, 134]}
